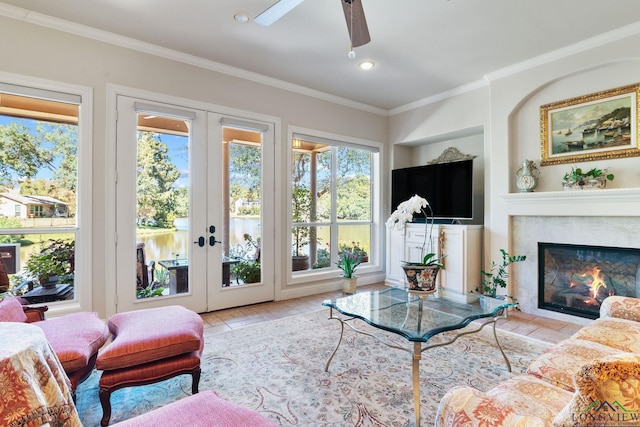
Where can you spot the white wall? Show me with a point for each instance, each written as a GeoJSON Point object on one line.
{"type": "Point", "coordinates": [509, 110]}
{"type": "Point", "coordinates": [32, 50]}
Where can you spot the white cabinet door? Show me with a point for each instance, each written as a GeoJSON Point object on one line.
{"type": "Point", "coordinates": [462, 245]}
{"type": "Point", "coordinates": [395, 256]}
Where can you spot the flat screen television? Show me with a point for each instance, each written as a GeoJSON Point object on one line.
{"type": "Point", "coordinates": [447, 186]}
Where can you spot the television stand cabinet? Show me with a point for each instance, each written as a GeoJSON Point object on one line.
{"type": "Point", "coordinates": [462, 245]}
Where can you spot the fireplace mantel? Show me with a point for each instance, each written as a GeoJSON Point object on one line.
{"type": "Point", "coordinates": [606, 202]}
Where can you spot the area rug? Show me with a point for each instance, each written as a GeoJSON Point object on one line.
{"type": "Point", "coordinates": [277, 368]}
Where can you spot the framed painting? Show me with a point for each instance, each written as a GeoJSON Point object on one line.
{"type": "Point", "coordinates": [602, 125]}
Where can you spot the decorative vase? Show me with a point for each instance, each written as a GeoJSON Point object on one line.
{"type": "Point", "coordinates": [349, 285]}
{"type": "Point", "coordinates": [527, 176]}
{"type": "Point", "coordinates": [421, 278]}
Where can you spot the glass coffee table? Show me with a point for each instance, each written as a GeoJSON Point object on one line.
{"type": "Point", "coordinates": [417, 318]}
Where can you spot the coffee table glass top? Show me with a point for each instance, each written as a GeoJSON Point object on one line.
{"type": "Point", "coordinates": [416, 318]}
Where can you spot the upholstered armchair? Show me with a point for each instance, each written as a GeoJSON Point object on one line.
{"type": "Point", "coordinates": [75, 338]}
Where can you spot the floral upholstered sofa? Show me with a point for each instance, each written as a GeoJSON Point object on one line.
{"type": "Point", "coordinates": [590, 379]}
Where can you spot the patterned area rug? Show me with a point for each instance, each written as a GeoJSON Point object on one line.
{"type": "Point", "coordinates": [277, 368]}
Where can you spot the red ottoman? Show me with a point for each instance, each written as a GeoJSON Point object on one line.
{"type": "Point", "coordinates": [149, 346]}
{"type": "Point", "coordinates": [204, 409]}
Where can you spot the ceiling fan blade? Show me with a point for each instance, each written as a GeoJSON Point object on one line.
{"type": "Point", "coordinates": [356, 22]}
{"type": "Point", "coordinates": [276, 11]}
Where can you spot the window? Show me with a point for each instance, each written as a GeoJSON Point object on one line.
{"type": "Point", "coordinates": [39, 192]}
{"type": "Point", "coordinates": [332, 201]}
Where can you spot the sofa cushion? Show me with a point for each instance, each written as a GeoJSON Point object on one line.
{"type": "Point", "coordinates": [204, 409]}
{"type": "Point", "coordinates": [607, 393]}
{"type": "Point", "coordinates": [11, 310]}
{"type": "Point", "coordinates": [621, 307]}
{"type": "Point", "coordinates": [469, 407]}
{"type": "Point", "coordinates": [151, 334]}
{"type": "Point", "coordinates": [531, 396]}
{"type": "Point", "coordinates": [560, 363]}
{"type": "Point", "coordinates": [75, 338]}
{"type": "Point", "coordinates": [621, 334]}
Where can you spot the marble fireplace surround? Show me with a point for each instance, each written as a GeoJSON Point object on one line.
{"type": "Point", "coordinates": [587, 217]}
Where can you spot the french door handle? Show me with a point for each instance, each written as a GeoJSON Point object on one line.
{"type": "Point", "coordinates": [200, 241]}
{"type": "Point", "coordinates": [213, 241]}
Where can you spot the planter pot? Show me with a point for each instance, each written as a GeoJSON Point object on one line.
{"type": "Point", "coordinates": [586, 183]}
{"type": "Point", "coordinates": [487, 302]}
{"type": "Point", "coordinates": [421, 278]}
{"type": "Point", "coordinates": [299, 262]}
{"type": "Point", "coordinates": [349, 285]}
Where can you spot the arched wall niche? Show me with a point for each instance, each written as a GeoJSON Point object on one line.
{"type": "Point", "coordinates": [524, 123]}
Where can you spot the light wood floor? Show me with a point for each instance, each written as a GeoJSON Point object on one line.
{"type": "Point", "coordinates": [540, 328]}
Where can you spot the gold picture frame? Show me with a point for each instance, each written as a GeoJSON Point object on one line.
{"type": "Point", "coordinates": [602, 125]}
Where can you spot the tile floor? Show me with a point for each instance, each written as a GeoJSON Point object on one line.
{"type": "Point", "coordinates": [540, 328]}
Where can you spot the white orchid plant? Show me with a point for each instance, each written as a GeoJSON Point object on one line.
{"type": "Point", "coordinates": [403, 214]}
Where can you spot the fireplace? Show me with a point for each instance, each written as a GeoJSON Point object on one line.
{"type": "Point", "coordinates": [575, 279]}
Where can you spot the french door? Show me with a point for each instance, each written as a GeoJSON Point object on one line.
{"type": "Point", "coordinates": [188, 181]}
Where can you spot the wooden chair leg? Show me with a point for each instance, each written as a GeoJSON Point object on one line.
{"type": "Point", "coordinates": [195, 382]}
{"type": "Point", "coordinates": [105, 401]}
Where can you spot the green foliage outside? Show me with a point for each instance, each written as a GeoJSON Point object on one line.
{"type": "Point", "coordinates": [248, 269]}
{"type": "Point", "coordinates": [149, 292]}
{"type": "Point", "coordinates": [56, 258]}
{"type": "Point", "coordinates": [6, 222]}
{"type": "Point", "coordinates": [157, 199]}
{"type": "Point", "coordinates": [23, 155]}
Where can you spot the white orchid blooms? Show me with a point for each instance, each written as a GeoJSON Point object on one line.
{"type": "Point", "coordinates": [404, 212]}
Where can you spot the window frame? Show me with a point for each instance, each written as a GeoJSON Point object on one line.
{"type": "Point", "coordinates": [374, 264]}
{"type": "Point", "coordinates": [64, 92]}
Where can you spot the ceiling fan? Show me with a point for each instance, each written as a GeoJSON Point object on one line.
{"type": "Point", "coordinates": [353, 13]}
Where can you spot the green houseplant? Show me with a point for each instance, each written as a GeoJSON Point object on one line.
{"type": "Point", "coordinates": [348, 262]}
{"type": "Point", "coordinates": [580, 179]}
{"type": "Point", "coordinates": [498, 274]}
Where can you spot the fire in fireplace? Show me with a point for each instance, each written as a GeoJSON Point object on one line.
{"type": "Point", "coordinates": [575, 279]}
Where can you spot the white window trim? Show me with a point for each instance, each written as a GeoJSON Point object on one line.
{"type": "Point", "coordinates": [84, 238]}
{"type": "Point", "coordinates": [377, 237]}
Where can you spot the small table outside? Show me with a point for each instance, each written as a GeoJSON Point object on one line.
{"type": "Point", "coordinates": [179, 273]}
{"type": "Point", "coordinates": [33, 379]}
{"type": "Point", "coordinates": [417, 318]}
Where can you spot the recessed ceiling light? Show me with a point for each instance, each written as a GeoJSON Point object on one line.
{"type": "Point", "coordinates": [241, 17]}
{"type": "Point", "coordinates": [367, 65]}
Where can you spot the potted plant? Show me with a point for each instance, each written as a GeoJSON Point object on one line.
{"type": "Point", "coordinates": [422, 274]}
{"type": "Point", "coordinates": [497, 275]}
{"type": "Point", "coordinates": [579, 179]}
{"type": "Point", "coordinates": [53, 263]}
{"type": "Point", "coordinates": [348, 262]}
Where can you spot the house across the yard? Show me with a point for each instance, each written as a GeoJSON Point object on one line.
{"type": "Point", "coordinates": [30, 206]}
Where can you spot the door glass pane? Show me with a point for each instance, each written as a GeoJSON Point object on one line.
{"type": "Point", "coordinates": [242, 196]}
{"type": "Point", "coordinates": [162, 200]}
{"type": "Point", "coordinates": [38, 197]}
